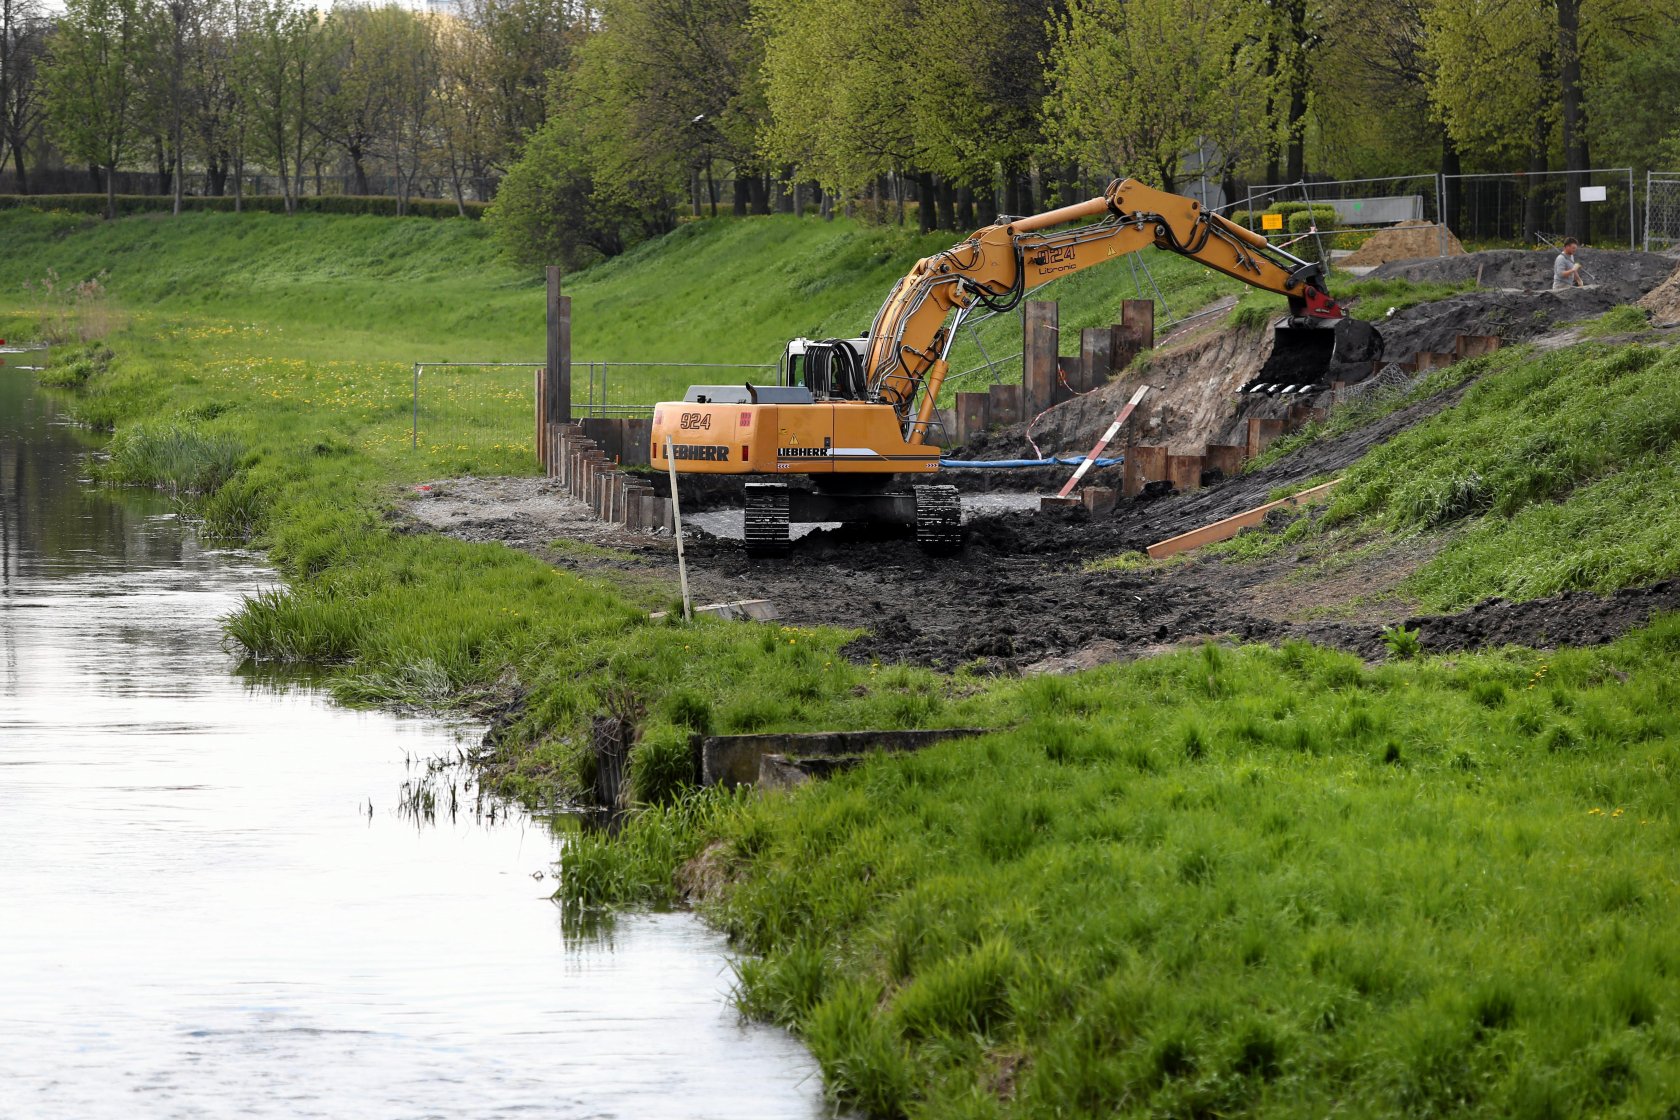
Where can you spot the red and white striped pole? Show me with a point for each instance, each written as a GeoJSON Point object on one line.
{"type": "Point", "coordinates": [1113, 430]}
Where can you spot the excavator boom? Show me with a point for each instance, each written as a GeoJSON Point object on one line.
{"type": "Point", "coordinates": [910, 340]}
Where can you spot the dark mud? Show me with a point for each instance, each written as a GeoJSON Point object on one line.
{"type": "Point", "coordinates": [1575, 618]}
{"type": "Point", "coordinates": [1621, 275]}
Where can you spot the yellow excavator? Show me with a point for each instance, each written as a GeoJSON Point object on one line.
{"type": "Point", "coordinates": [852, 413]}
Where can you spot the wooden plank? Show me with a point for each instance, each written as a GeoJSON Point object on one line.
{"type": "Point", "coordinates": [1039, 373]}
{"type": "Point", "coordinates": [1145, 463]}
{"type": "Point", "coordinates": [1005, 404]}
{"type": "Point", "coordinates": [1231, 526]}
{"type": "Point", "coordinates": [1185, 471]}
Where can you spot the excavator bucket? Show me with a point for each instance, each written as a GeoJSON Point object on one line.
{"type": "Point", "coordinates": [1301, 356]}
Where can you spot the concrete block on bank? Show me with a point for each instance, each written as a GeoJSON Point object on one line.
{"type": "Point", "coordinates": [734, 760]}
{"type": "Point", "coordinates": [777, 771]}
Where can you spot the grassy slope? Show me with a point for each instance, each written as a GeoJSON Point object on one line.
{"type": "Point", "coordinates": [1223, 882]}
{"type": "Point", "coordinates": [394, 291]}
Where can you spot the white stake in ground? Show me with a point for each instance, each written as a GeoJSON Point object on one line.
{"type": "Point", "coordinates": [1113, 430]}
{"type": "Point", "coordinates": [676, 519]}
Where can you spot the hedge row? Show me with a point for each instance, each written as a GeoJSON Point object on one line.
{"type": "Point", "coordinates": [271, 203]}
{"type": "Point", "coordinates": [1297, 216]}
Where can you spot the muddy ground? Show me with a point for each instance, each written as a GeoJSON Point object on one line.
{"type": "Point", "coordinates": [1019, 597]}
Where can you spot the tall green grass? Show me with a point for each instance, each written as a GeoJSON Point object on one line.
{"type": "Point", "coordinates": [1559, 467]}
{"type": "Point", "coordinates": [1256, 882]}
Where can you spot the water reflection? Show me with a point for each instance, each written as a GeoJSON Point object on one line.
{"type": "Point", "coordinates": [210, 902]}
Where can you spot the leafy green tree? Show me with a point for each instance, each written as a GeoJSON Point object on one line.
{"type": "Point", "coordinates": [673, 86]}
{"type": "Point", "coordinates": [837, 84]}
{"type": "Point", "coordinates": [93, 84]}
{"type": "Point", "coordinates": [1513, 75]}
{"type": "Point", "coordinates": [547, 209]}
{"type": "Point", "coordinates": [355, 88]}
{"type": "Point", "coordinates": [1131, 92]}
{"type": "Point", "coordinates": [281, 88]}
{"type": "Point", "coordinates": [465, 114]}
{"type": "Point", "coordinates": [528, 40]}
{"type": "Point", "coordinates": [23, 43]}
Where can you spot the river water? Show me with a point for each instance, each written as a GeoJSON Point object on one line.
{"type": "Point", "coordinates": [211, 906]}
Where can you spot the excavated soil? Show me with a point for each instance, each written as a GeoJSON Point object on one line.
{"type": "Point", "coordinates": [1663, 302]}
{"type": "Point", "coordinates": [1406, 241]}
{"type": "Point", "coordinates": [1018, 597]}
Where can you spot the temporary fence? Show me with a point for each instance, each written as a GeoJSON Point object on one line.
{"type": "Point", "coordinates": [1662, 209]}
{"type": "Point", "coordinates": [636, 384]}
{"type": "Point", "coordinates": [1360, 205]}
{"type": "Point", "coordinates": [1515, 208]}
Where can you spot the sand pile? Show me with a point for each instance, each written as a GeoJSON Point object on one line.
{"type": "Point", "coordinates": [1404, 242]}
{"type": "Point", "coordinates": [1663, 301]}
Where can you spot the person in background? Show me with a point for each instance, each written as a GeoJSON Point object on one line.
{"type": "Point", "coordinates": [1565, 272]}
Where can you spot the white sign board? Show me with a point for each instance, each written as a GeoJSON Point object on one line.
{"type": "Point", "coordinates": [1592, 194]}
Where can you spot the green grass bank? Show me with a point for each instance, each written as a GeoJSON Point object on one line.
{"type": "Point", "coordinates": [1243, 882]}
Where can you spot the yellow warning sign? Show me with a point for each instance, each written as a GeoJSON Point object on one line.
{"type": "Point", "coordinates": [1271, 221]}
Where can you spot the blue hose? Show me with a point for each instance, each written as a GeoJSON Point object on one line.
{"type": "Point", "coordinates": [1053, 461]}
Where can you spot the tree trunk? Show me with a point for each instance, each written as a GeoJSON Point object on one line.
{"type": "Point", "coordinates": [179, 175]}
{"type": "Point", "coordinates": [965, 209]}
{"type": "Point", "coordinates": [359, 169]}
{"type": "Point", "coordinates": [238, 184]}
{"type": "Point", "coordinates": [738, 202]}
{"type": "Point", "coordinates": [926, 215]}
{"type": "Point", "coordinates": [1536, 173]}
{"type": "Point", "coordinates": [1297, 127]}
{"type": "Point", "coordinates": [759, 191]}
{"type": "Point", "coordinates": [96, 177]}
{"type": "Point", "coordinates": [711, 186]}
{"type": "Point", "coordinates": [825, 208]}
{"type": "Point", "coordinates": [111, 192]}
{"type": "Point", "coordinates": [1450, 166]}
{"type": "Point", "coordinates": [947, 205]}
{"type": "Point", "coordinates": [1574, 136]}
{"type": "Point", "coordinates": [17, 158]}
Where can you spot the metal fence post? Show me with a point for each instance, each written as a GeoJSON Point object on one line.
{"type": "Point", "coordinates": [1647, 210]}
{"type": "Point", "coordinates": [1633, 225]}
{"type": "Point", "coordinates": [414, 432]}
{"type": "Point", "coordinates": [1441, 212]}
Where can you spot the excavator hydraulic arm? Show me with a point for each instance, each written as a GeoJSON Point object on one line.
{"type": "Point", "coordinates": [910, 341]}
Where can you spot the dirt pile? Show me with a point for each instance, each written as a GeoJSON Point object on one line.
{"type": "Point", "coordinates": [1663, 301]}
{"type": "Point", "coordinates": [1624, 275]}
{"type": "Point", "coordinates": [1404, 242]}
